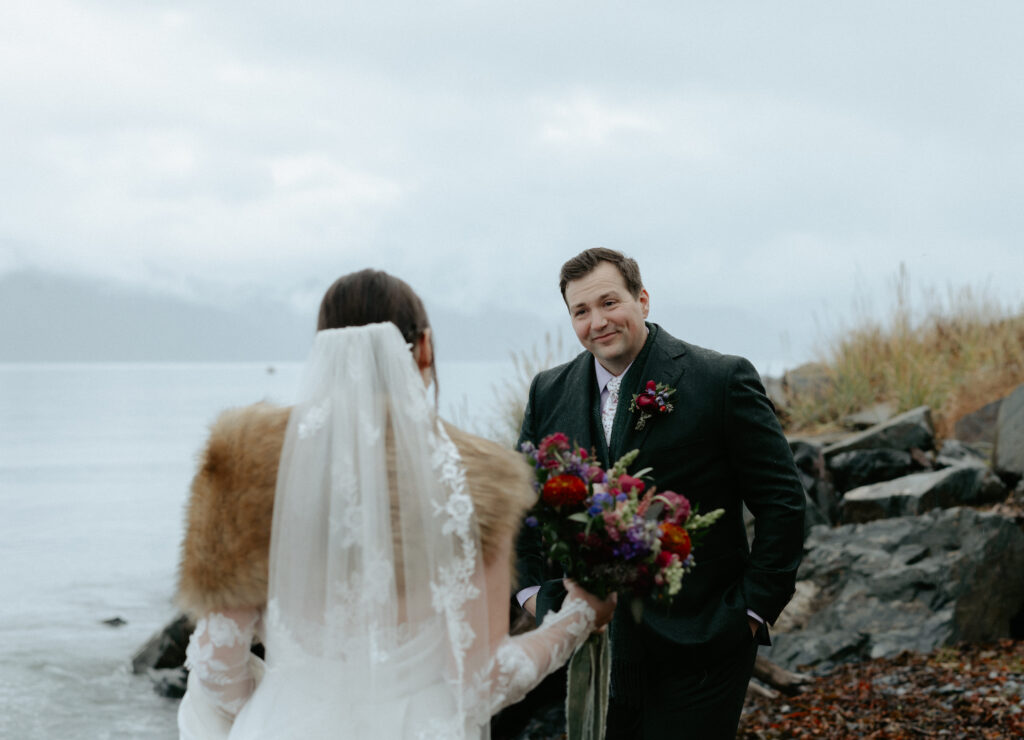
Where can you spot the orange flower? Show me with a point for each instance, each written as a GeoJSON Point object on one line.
{"type": "Point", "coordinates": [675, 539]}
{"type": "Point", "coordinates": [564, 490]}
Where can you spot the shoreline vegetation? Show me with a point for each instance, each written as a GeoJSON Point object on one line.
{"type": "Point", "coordinates": [959, 351]}
{"type": "Point", "coordinates": [962, 350]}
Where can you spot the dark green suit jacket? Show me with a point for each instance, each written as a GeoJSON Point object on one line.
{"type": "Point", "coordinates": [721, 447]}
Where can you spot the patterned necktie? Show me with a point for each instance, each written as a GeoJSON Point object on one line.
{"type": "Point", "coordinates": [608, 412]}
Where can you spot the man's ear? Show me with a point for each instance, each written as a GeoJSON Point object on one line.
{"type": "Point", "coordinates": [645, 301]}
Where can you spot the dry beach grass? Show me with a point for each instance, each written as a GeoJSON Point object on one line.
{"type": "Point", "coordinates": [962, 350]}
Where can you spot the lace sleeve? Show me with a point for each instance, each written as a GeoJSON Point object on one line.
{"type": "Point", "coordinates": [218, 654]}
{"type": "Point", "coordinates": [522, 662]}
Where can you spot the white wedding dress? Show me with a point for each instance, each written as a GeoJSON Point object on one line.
{"type": "Point", "coordinates": [377, 620]}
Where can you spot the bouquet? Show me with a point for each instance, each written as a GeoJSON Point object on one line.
{"type": "Point", "coordinates": [606, 528]}
{"type": "Point", "coordinates": [609, 532]}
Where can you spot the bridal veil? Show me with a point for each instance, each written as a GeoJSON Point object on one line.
{"type": "Point", "coordinates": [376, 622]}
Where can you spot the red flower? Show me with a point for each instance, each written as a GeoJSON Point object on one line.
{"type": "Point", "coordinates": [652, 386]}
{"type": "Point", "coordinates": [644, 400]}
{"type": "Point", "coordinates": [675, 539]}
{"type": "Point", "coordinates": [564, 490]}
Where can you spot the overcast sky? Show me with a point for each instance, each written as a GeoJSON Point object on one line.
{"type": "Point", "coordinates": [766, 162]}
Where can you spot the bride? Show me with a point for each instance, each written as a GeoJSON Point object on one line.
{"type": "Point", "coordinates": [366, 545]}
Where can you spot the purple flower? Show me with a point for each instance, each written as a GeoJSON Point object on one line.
{"type": "Point", "coordinates": [531, 521]}
{"type": "Point", "coordinates": [595, 509]}
{"type": "Point", "coordinates": [622, 497]}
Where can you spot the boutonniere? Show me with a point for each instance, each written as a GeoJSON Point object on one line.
{"type": "Point", "coordinates": [655, 398]}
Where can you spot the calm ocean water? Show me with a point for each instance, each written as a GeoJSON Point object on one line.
{"type": "Point", "coordinates": [95, 462]}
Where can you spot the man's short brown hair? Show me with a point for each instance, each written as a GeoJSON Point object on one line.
{"type": "Point", "coordinates": [586, 261]}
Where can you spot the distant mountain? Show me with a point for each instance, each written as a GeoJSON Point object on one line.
{"type": "Point", "coordinates": [46, 317]}
{"type": "Point", "coordinates": [52, 318]}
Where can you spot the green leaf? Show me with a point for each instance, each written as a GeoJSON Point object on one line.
{"type": "Point", "coordinates": [654, 511]}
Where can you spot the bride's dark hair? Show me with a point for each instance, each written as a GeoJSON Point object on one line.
{"type": "Point", "coordinates": [371, 297]}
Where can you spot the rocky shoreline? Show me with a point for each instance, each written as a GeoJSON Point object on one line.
{"type": "Point", "coordinates": [913, 544]}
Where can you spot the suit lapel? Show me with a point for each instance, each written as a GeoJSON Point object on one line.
{"type": "Point", "coordinates": [662, 364]}
{"type": "Point", "coordinates": [579, 392]}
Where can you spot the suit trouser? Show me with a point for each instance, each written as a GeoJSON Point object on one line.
{"type": "Point", "coordinates": [680, 701]}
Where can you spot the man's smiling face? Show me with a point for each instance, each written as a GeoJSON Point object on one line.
{"type": "Point", "coordinates": [607, 320]}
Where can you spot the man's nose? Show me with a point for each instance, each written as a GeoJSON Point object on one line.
{"type": "Point", "coordinates": [598, 319]}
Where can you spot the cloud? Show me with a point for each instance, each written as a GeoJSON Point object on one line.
{"type": "Point", "coordinates": [583, 120]}
{"type": "Point", "coordinates": [750, 157]}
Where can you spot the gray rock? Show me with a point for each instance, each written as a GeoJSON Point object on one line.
{"type": "Point", "coordinates": [992, 490]}
{"type": "Point", "coordinates": [954, 452]}
{"type": "Point", "coordinates": [821, 440]}
{"type": "Point", "coordinates": [877, 414]}
{"type": "Point", "coordinates": [919, 492]}
{"type": "Point", "coordinates": [810, 464]}
{"type": "Point", "coordinates": [166, 648]}
{"type": "Point", "coordinates": [813, 515]}
{"type": "Point", "coordinates": [876, 589]}
{"type": "Point", "coordinates": [169, 682]}
{"type": "Point", "coordinates": [910, 429]}
{"type": "Point", "coordinates": [979, 425]}
{"type": "Point", "coordinates": [858, 468]}
{"type": "Point", "coordinates": [1008, 456]}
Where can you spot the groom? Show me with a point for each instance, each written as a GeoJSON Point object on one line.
{"type": "Point", "coordinates": [682, 670]}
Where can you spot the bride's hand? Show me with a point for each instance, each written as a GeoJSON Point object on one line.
{"type": "Point", "coordinates": [603, 608]}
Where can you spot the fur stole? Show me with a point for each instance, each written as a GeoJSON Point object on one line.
{"type": "Point", "coordinates": [225, 552]}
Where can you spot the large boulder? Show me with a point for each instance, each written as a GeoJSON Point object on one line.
{"type": "Point", "coordinates": [917, 493]}
{"type": "Point", "coordinates": [955, 452]}
{"type": "Point", "coordinates": [876, 589]}
{"type": "Point", "coordinates": [869, 417]}
{"type": "Point", "coordinates": [978, 425]}
{"type": "Point", "coordinates": [857, 468]}
{"type": "Point", "coordinates": [910, 430]}
{"type": "Point", "coordinates": [1008, 455]}
{"type": "Point", "coordinates": [162, 658]}
{"type": "Point", "coordinates": [810, 465]}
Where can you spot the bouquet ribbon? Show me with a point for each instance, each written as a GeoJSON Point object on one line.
{"type": "Point", "coordinates": [586, 700]}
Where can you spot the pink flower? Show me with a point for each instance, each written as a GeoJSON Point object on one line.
{"type": "Point", "coordinates": [677, 505]}
{"type": "Point", "coordinates": [611, 524]}
{"type": "Point", "coordinates": [628, 483]}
